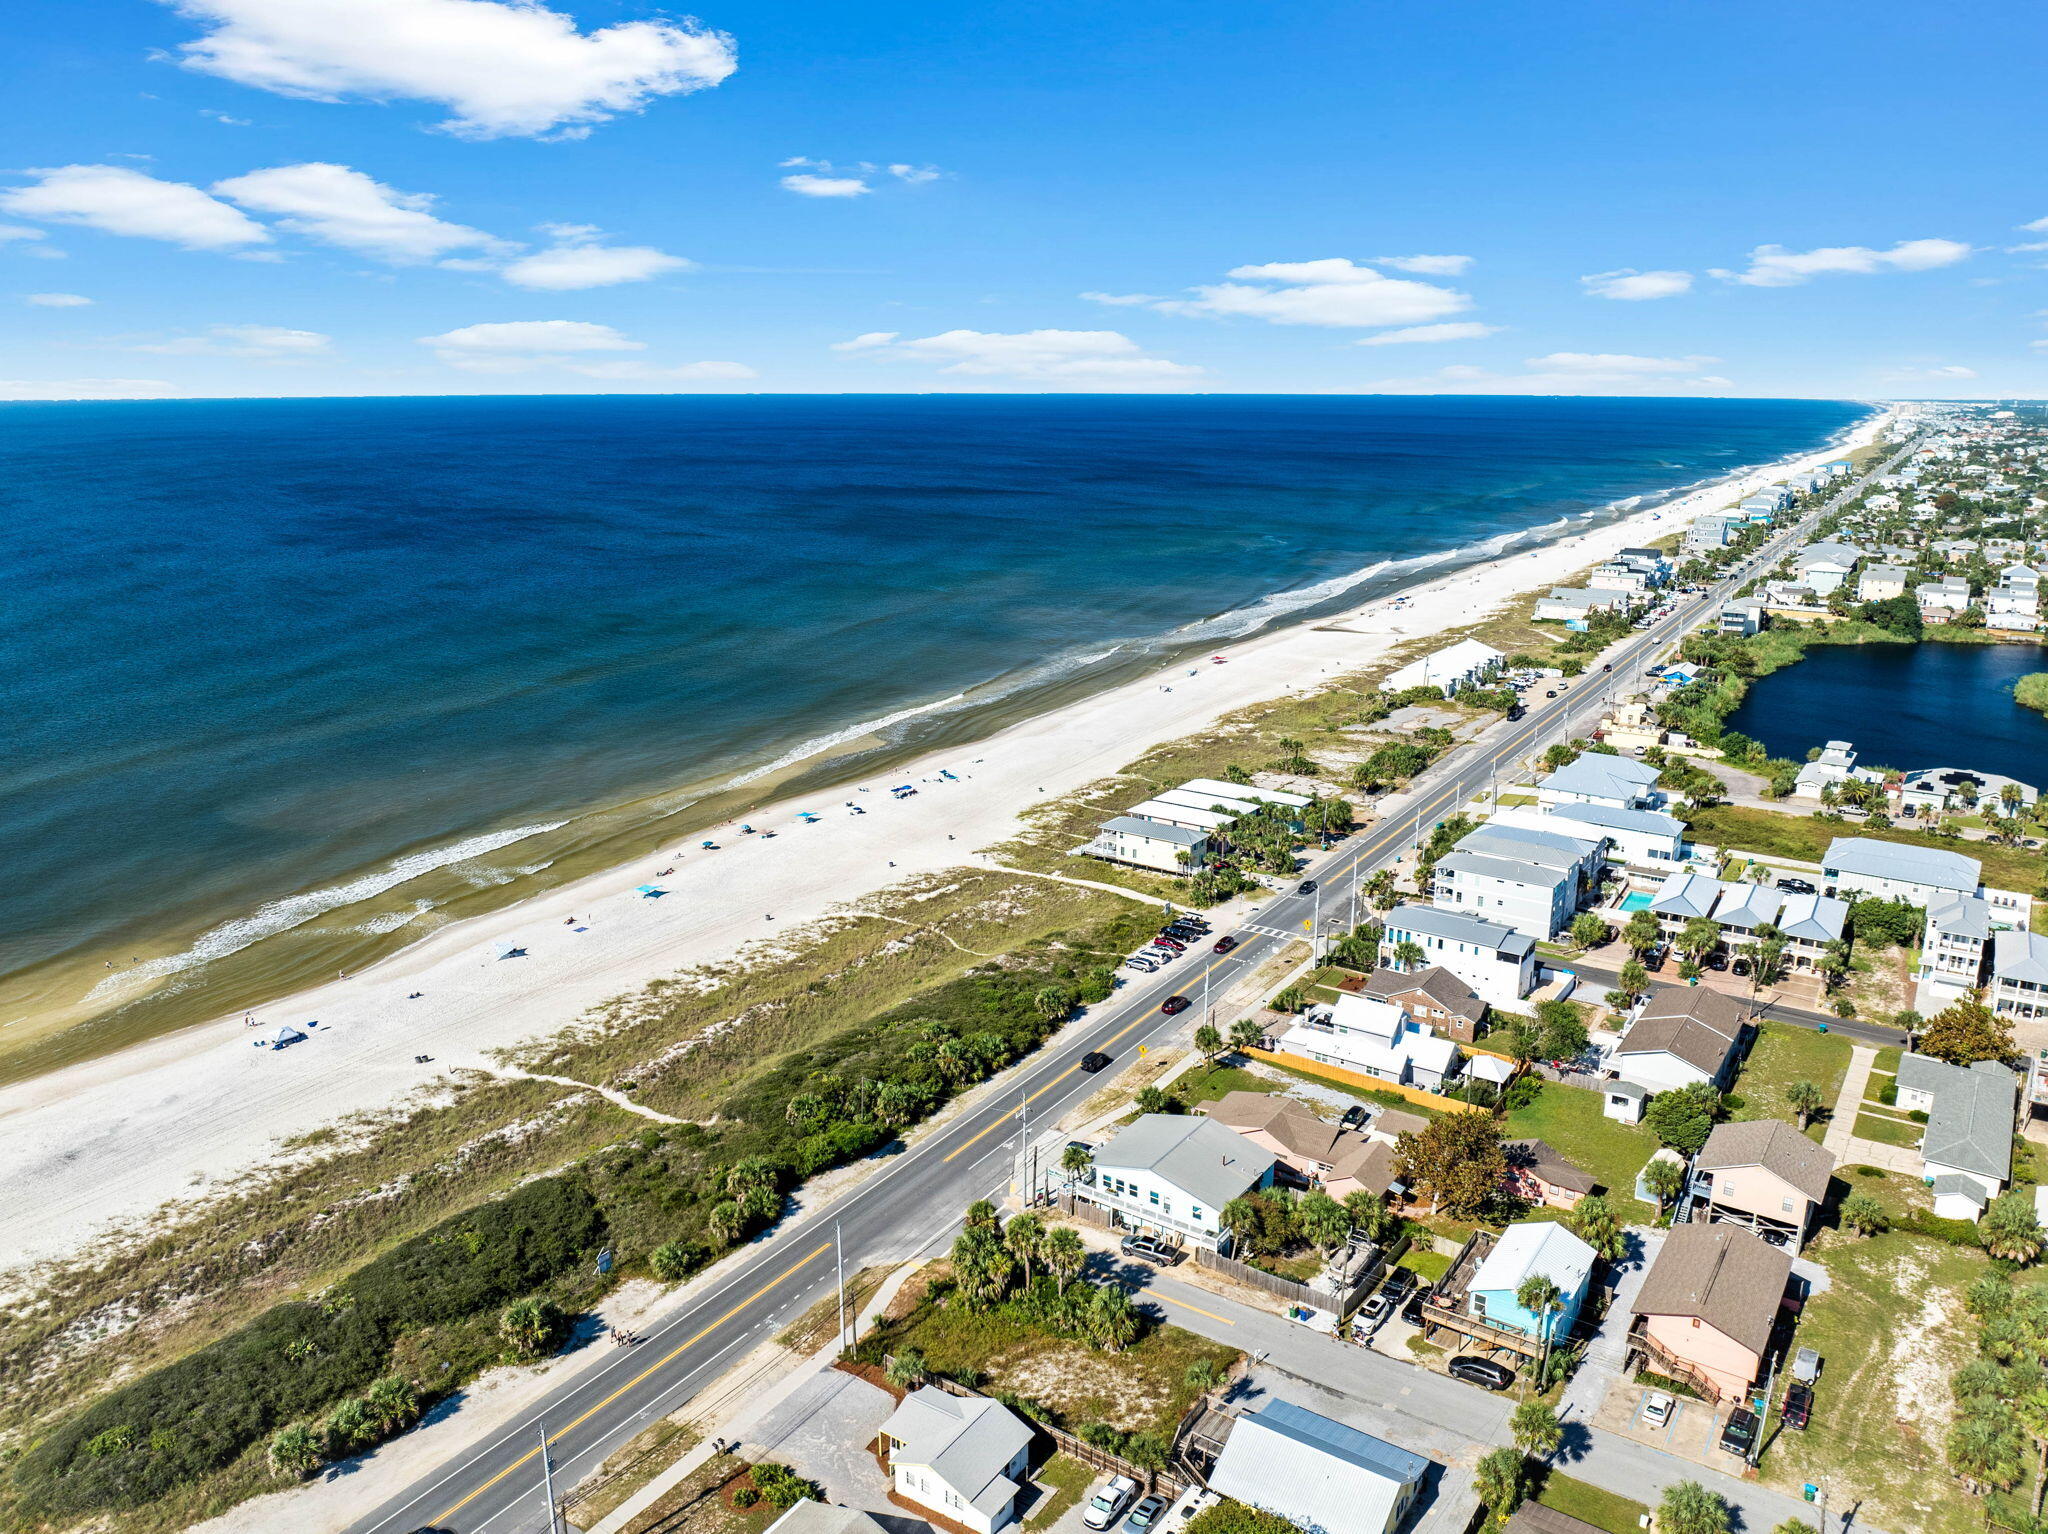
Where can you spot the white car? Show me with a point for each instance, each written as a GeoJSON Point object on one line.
{"type": "Point", "coordinates": [1657, 1409]}
{"type": "Point", "coordinates": [1108, 1504]}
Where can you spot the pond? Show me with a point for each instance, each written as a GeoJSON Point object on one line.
{"type": "Point", "coordinates": [1906, 706]}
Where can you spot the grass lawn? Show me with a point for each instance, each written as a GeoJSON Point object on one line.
{"type": "Point", "coordinates": [1888, 1131]}
{"type": "Point", "coordinates": [1569, 1120]}
{"type": "Point", "coordinates": [1892, 1330]}
{"type": "Point", "coordinates": [1142, 1389]}
{"type": "Point", "coordinates": [1888, 1058]}
{"type": "Point", "coordinates": [1065, 1479]}
{"type": "Point", "coordinates": [1603, 1509]}
{"type": "Point", "coordinates": [1431, 1265]}
{"type": "Point", "coordinates": [1206, 1083]}
{"type": "Point", "coordinates": [1799, 836]}
{"type": "Point", "coordinates": [1301, 1269]}
{"type": "Point", "coordinates": [1781, 1056]}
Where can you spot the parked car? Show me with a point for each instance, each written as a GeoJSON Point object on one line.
{"type": "Point", "coordinates": [1150, 1249]}
{"type": "Point", "coordinates": [1306, 887]}
{"type": "Point", "coordinates": [1798, 1405]}
{"type": "Point", "coordinates": [1657, 1409]}
{"type": "Point", "coordinates": [1550, 692]}
{"type": "Point", "coordinates": [1174, 1004]}
{"type": "Point", "coordinates": [1738, 1433]}
{"type": "Point", "coordinates": [1159, 953]}
{"type": "Point", "coordinates": [1225, 943]}
{"type": "Point", "coordinates": [1140, 962]}
{"type": "Point", "coordinates": [1806, 1366]}
{"type": "Point", "coordinates": [1094, 1061]}
{"type": "Point", "coordinates": [1797, 887]}
{"type": "Point", "coordinates": [1145, 1514]}
{"type": "Point", "coordinates": [1376, 1308]}
{"type": "Point", "coordinates": [1481, 1371]}
{"type": "Point", "coordinates": [1105, 1506]}
{"type": "Point", "coordinates": [1163, 941]}
{"type": "Point", "coordinates": [1354, 1117]}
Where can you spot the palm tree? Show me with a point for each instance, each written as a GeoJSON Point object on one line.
{"type": "Point", "coordinates": [1112, 1319]}
{"type": "Point", "coordinates": [1240, 1218]}
{"type": "Point", "coordinates": [981, 1265]}
{"type": "Point", "coordinates": [532, 1325]}
{"type": "Point", "coordinates": [1075, 1161]}
{"type": "Point", "coordinates": [1766, 964]}
{"type": "Point", "coordinates": [1539, 1296]}
{"type": "Point", "coordinates": [726, 1222]}
{"type": "Point", "coordinates": [981, 1212]}
{"type": "Point", "coordinates": [1641, 933]}
{"type": "Point", "coordinates": [1209, 1040]}
{"type": "Point", "coordinates": [1202, 1375]}
{"type": "Point", "coordinates": [1246, 1034]}
{"type": "Point", "coordinates": [1024, 1236]}
{"type": "Point", "coordinates": [1369, 1213]}
{"type": "Point", "coordinates": [1536, 1430]}
{"type": "Point", "coordinates": [1806, 1099]}
{"type": "Point", "coordinates": [1407, 955]}
{"type": "Point", "coordinates": [907, 1369]}
{"type": "Point", "coordinates": [1499, 1481]}
{"type": "Point", "coordinates": [296, 1451]}
{"type": "Point", "coordinates": [1635, 980]}
{"type": "Point", "coordinates": [393, 1403]}
{"type": "Point", "coordinates": [1054, 1002]}
{"type": "Point", "coordinates": [1322, 1220]}
{"type": "Point", "coordinates": [1699, 937]}
{"type": "Point", "coordinates": [751, 1172]}
{"type": "Point", "coordinates": [1664, 1178]}
{"type": "Point", "coordinates": [1689, 1508]}
{"type": "Point", "coordinates": [1063, 1254]}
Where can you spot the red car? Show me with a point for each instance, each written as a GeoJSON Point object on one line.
{"type": "Point", "coordinates": [1225, 943]}
{"type": "Point", "coordinates": [1174, 1004]}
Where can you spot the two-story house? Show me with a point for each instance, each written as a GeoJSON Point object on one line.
{"type": "Point", "coordinates": [1170, 1174]}
{"type": "Point", "coordinates": [2019, 980]}
{"type": "Point", "coordinates": [1493, 959]}
{"type": "Point", "coordinates": [1619, 782]}
{"type": "Point", "coordinates": [1532, 1249]}
{"type": "Point", "coordinates": [1972, 1111]}
{"type": "Point", "coordinates": [1681, 1035]}
{"type": "Point", "coordinates": [962, 1457]}
{"type": "Point", "coordinates": [1371, 1038]}
{"type": "Point", "coordinates": [1319, 1154]}
{"type": "Point", "coordinates": [1533, 881]}
{"type": "Point", "coordinates": [1765, 1175]}
{"type": "Point", "coordinates": [1707, 1308]}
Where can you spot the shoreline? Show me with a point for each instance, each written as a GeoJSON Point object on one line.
{"type": "Point", "coordinates": [178, 1115]}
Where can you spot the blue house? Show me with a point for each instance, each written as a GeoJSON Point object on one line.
{"type": "Point", "coordinates": [1525, 1251]}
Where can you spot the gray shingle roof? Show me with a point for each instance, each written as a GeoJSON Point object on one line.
{"type": "Point", "coordinates": [1903, 862]}
{"type": "Point", "coordinates": [1776, 1147]}
{"type": "Point", "coordinates": [1970, 1126]}
{"type": "Point", "coordinates": [2020, 956]}
{"type": "Point", "coordinates": [1609, 777]}
{"type": "Point", "coordinates": [1435, 982]}
{"type": "Point", "coordinates": [1197, 1155]}
{"type": "Point", "coordinates": [969, 1442]}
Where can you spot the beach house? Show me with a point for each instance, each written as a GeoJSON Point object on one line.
{"type": "Point", "coordinates": [1496, 961]}
{"type": "Point", "coordinates": [1706, 1309]}
{"type": "Point", "coordinates": [1645, 839]}
{"type": "Point", "coordinates": [1170, 1174]}
{"type": "Point", "coordinates": [1370, 1038]}
{"type": "Point", "coordinates": [1858, 865]}
{"type": "Point", "coordinates": [1681, 1035]}
{"type": "Point", "coordinates": [2019, 979]}
{"type": "Point", "coordinates": [1539, 1173]}
{"type": "Point", "coordinates": [1957, 942]}
{"type": "Point", "coordinates": [1805, 924]}
{"type": "Point", "coordinates": [1320, 1476]}
{"type": "Point", "coordinates": [1823, 567]}
{"type": "Point", "coordinates": [1532, 1249]}
{"type": "Point", "coordinates": [964, 1458]}
{"type": "Point", "coordinates": [1468, 663]}
{"type": "Point", "coordinates": [1150, 844]}
{"type": "Point", "coordinates": [2014, 603]}
{"type": "Point", "coordinates": [1706, 534]}
{"type": "Point", "coordinates": [1763, 1174]}
{"type": "Point", "coordinates": [1744, 617]}
{"type": "Point", "coordinates": [1942, 601]}
{"type": "Point", "coordinates": [1878, 582]}
{"type": "Point", "coordinates": [1318, 1153]}
{"type": "Point", "coordinates": [1433, 997]}
{"type": "Point", "coordinates": [1966, 1150]}
{"type": "Point", "coordinates": [1533, 881]}
{"type": "Point", "coordinates": [1619, 782]}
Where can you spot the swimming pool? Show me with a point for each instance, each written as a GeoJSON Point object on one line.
{"type": "Point", "coordinates": [1637, 900]}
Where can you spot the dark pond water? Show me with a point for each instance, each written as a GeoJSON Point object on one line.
{"type": "Point", "coordinates": [1907, 706]}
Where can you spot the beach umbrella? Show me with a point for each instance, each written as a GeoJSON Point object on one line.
{"type": "Point", "coordinates": [510, 951]}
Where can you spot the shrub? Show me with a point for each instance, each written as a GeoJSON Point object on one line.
{"type": "Point", "coordinates": [670, 1261]}
{"type": "Point", "coordinates": [1888, 1094]}
{"type": "Point", "coordinates": [746, 1496]}
{"type": "Point", "coordinates": [782, 1488]}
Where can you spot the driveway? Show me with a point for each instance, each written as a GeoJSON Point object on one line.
{"type": "Point", "coordinates": [823, 1430]}
{"type": "Point", "coordinates": [1607, 1352]}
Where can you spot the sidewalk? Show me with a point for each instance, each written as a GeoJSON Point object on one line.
{"type": "Point", "coordinates": [1842, 1140]}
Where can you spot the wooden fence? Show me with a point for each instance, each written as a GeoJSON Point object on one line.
{"type": "Point", "coordinates": [1367, 1083]}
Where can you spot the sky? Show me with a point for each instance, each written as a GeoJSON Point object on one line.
{"type": "Point", "coordinates": [401, 197]}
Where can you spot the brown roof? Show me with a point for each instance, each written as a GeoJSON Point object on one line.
{"type": "Point", "coordinates": [1773, 1145]}
{"type": "Point", "coordinates": [1435, 982]}
{"type": "Point", "coordinates": [1535, 1518]}
{"type": "Point", "coordinates": [1721, 1274]}
{"type": "Point", "coordinates": [1697, 1025]}
{"type": "Point", "coordinates": [1366, 1162]}
{"type": "Point", "coordinates": [1392, 1121]}
{"type": "Point", "coordinates": [1282, 1117]}
{"type": "Point", "coordinates": [1546, 1163]}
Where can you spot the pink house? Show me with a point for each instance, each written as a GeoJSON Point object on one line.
{"type": "Point", "coordinates": [1707, 1306]}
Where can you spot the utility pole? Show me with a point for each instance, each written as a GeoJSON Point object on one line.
{"type": "Point", "coordinates": [547, 1479]}
{"type": "Point", "coordinates": [839, 1264]}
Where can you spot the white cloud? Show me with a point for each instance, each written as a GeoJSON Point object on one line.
{"type": "Point", "coordinates": [9, 233]}
{"type": "Point", "coordinates": [1067, 358]}
{"type": "Point", "coordinates": [1427, 266]}
{"type": "Point", "coordinates": [806, 185]}
{"type": "Point", "coordinates": [647, 372]}
{"type": "Point", "coordinates": [56, 300]}
{"type": "Point", "coordinates": [225, 120]}
{"type": "Point", "coordinates": [1334, 292]}
{"type": "Point", "coordinates": [502, 68]}
{"type": "Point", "coordinates": [916, 175]}
{"type": "Point", "coordinates": [1570, 373]}
{"type": "Point", "coordinates": [1615, 363]}
{"type": "Point", "coordinates": [86, 388]}
{"type": "Point", "coordinates": [2038, 226]}
{"type": "Point", "coordinates": [1456, 330]}
{"type": "Point", "coordinates": [521, 346]}
{"type": "Point", "coordinates": [264, 343]}
{"type": "Point", "coordinates": [344, 207]}
{"type": "Point", "coordinates": [117, 200]}
{"type": "Point", "coordinates": [1123, 300]}
{"type": "Point", "coordinates": [580, 259]}
{"type": "Point", "coordinates": [1939, 371]}
{"type": "Point", "coordinates": [1632, 286]}
{"type": "Point", "coordinates": [1773, 266]}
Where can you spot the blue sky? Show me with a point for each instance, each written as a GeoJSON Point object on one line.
{"type": "Point", "coordinates": [314, 197]}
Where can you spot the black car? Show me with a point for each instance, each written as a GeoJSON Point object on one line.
{"type": "Point", "coordinates": [1354, 1118]}
{"type": "Point", "coordinates": [1797, 887]}
{"type": "Point", "coordinates": [1798, 1405]}
{"type": "Point", "coordinates": [1094, 1061]}
{"type": "Point", "coordinates": [1225, 943]}
{"type": "Point", "coordinates": [1481, 1371]}
{"type": "Point", "coordinates": [1174, 1004]}
{"type": "Point", "coordinates": [1149, 1249]}
{"type": "Point", "coordinates": [1738, 1433]}
{"type": "Point", "coordinates": [1306, 887]}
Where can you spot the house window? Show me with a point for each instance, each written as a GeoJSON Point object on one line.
{"type": "Point", "coordinates": [1196, 1211]}
{"type": "Point", "coordinates": [1787, 1205]}
{"type": "Point", "coordinates": [1155, 1195]}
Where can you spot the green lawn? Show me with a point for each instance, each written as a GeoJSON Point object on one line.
{"type": "Point", "coordinates": [1783, 1055]}
{"type": "Point", "coordinates": [1888, 1131]}
{"type": "Point", "coordinates": [1801, 837]}
{"type": "Point", "coordinates": [1603, 1509]}
{"type": "Point", "coordinates": [1570, 1121]}
{"type": "Point", "coordinates": [1065, 1479]}
{"type": "Point", "coordinates": [1206, 1083]}
{"type": "Point", "coordinates": [1888, 1059]}
{"type": "Point", "coordinates": [1891, 1329]}
{"type": "Point", "coordinates": [1432, 1265]}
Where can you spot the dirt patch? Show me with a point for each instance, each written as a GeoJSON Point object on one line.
{"type": "Point", "coordinates": [1919, 1370]}
{"type": "Point", "coordinates": [1082, 1384]}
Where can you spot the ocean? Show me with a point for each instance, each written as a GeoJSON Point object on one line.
{"type": "Point", "coordinates": [291, 682]}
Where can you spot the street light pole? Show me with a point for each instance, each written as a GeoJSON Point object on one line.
{"type": "Point", "coordinates": [839, 1266]}
{"type": "Point", "coordinates": [547, 1479]}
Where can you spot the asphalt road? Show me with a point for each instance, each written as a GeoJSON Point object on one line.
{"type": "Point", "coordinates": [916, 1196]}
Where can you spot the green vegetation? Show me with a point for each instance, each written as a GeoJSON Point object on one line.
{"type": "Point", "coordinates": [1066, 1480]}
{"type": "Point", "coordinates": [1806, 839]}
{"type": "Point", "coordinates": [2031, 691]}
{"type": "Point", "coordinates": [1569, 1120]}
{"type": "Point", "coordinates": [1228, 1517]}
{"type": "Point", "coordinates": [1427, 1261]}
{"type": "Point", "coordinates": [1888, 1131]}
{"type": "Point", "coordinates": [1603, 1509]}
{"type": "Point", "coordinates": [1782, 1057]}
{"type": "Point", "coordinates": [1206, 1083]}
{"type": "Point", "coordinates": [1364, 1094]}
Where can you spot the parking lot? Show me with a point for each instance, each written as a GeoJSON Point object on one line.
{"type": "Point", "coordinates": [1692, 1430]}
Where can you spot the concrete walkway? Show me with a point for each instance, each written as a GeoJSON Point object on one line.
{"type": "Point", "coordinates": [1851, 1149]}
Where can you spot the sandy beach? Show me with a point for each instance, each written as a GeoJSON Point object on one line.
{"type": "Point", "coordinates": [110, 1140]}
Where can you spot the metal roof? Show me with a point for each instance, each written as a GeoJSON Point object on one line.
{"type": "Point", "coordinates": [2020, 956]}
{"type": "Point", "coordinates": [1157, 830]}
{"type": "Point", "coordinates": [1548, 849]}
{"type": "Point", "coordinates": [1530, 1249]}
{"type": "Point", "coordinates": [1196, 1154]}
{"type": "Point", "coordinates": [1608, 777]}
{"type": "Point", "coordinates": [1612, 818]}
{"type": "Point", "coordinates": [1902, 862]}
{"type": "Point", "coordinates": [1456, 927]}
{"type": "Point", "coordinates": [1320, 1475]}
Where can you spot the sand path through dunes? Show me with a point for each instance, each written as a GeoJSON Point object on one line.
{"type": "Point", "coordinates": [111, 1140]}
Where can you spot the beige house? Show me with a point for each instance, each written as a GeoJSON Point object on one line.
{"type": "Point", "coordinates": [1339, 1161]}
{"type": "Point", "coordinates": [1765, 1175]}
{"type": "Point", "coordinates": [1706, 1308]}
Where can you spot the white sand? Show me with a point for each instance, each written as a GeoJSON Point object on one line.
{"type": "Point", "coordinates": [111, 1140]}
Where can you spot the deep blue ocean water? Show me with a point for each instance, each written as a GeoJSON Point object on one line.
{"type": "Point", "coordinates": [257, 651]}
{"type": "Point", "coordinates": [1905, 706]}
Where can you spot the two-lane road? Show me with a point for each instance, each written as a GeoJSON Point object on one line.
{"type": "Point", "coordinates": [913, 1198]}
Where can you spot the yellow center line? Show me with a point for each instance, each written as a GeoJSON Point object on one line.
{"type": "Point", "coordinates": [681, 1348]}
{"type": "Point", "coordinates": [1168, 1299]}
